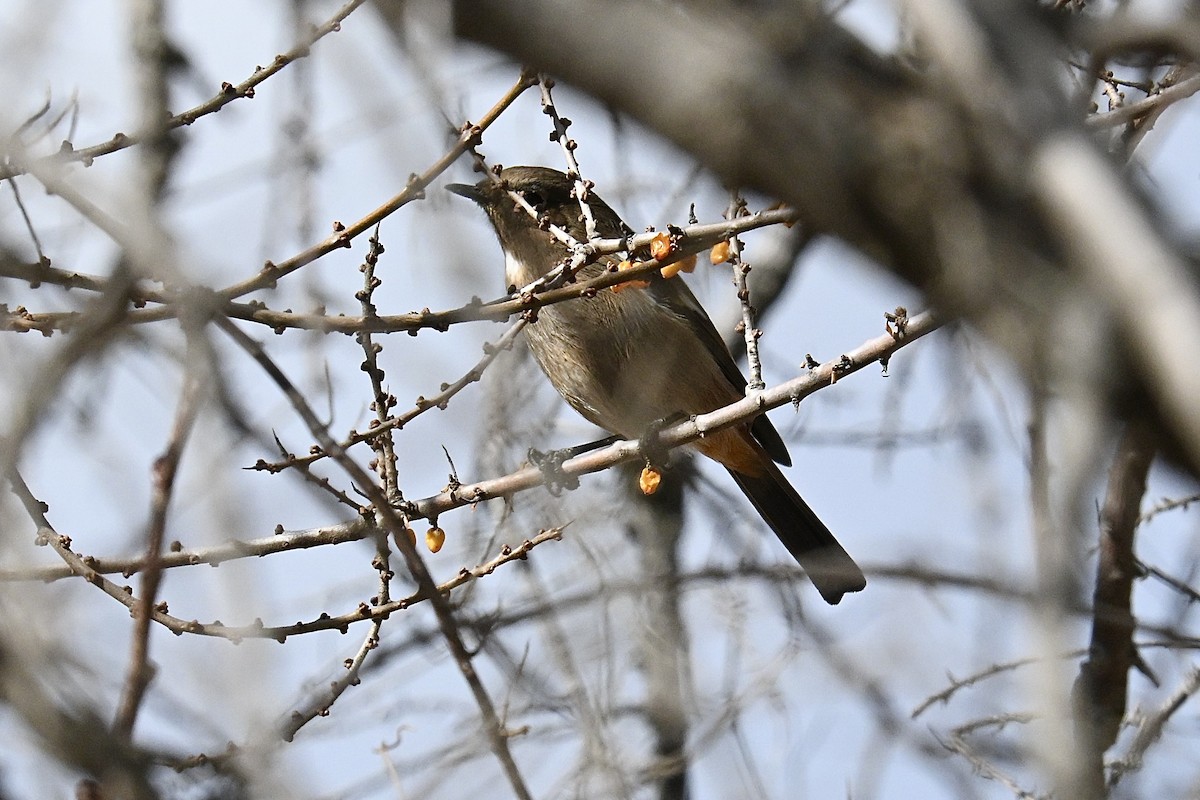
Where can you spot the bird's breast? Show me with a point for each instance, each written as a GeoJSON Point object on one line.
{"type": "Point", "coordinates": [625, 361]}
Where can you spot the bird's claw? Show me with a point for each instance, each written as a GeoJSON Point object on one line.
{"type": "Point", "coordinates": [550, 465]}
{"type": "Point", "coordinates": [650, 444]}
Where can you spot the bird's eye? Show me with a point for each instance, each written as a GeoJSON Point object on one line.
{"type": "Point", "coordinates": [534, 198]}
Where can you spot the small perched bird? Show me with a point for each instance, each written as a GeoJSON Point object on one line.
{"type": "Point", "coordinates": [628, 359]}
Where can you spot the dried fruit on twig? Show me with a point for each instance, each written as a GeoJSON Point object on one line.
{"type": "Point", "coordinates": [649, 480]}
{"type": "Point", "coordinates": [685, 264]}
{"type": "Point", "coordinates": [660, 245]}
{"type": "Point", "coordinates": [620, 287]}
{"type": "Point", "coordinates": [435, 537]}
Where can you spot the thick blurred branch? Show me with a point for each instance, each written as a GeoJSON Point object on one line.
{"type": "Point", "coordinates": [153, 59]}
{"type": "Point", "coordinates": [1102, 686]}
{"type": "Point", "coordinates": [655, 525]}
{"type": "Point", "coordinates": [944, 175]}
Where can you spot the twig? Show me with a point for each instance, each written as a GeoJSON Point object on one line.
{"type": "Point", "coordinates": [671, 436]}
{"type": "Point", "coordinates": [568, 146]}
{"type": "Point", "coordinates": [1102, 686]}
{"type": "Point", "coordinates": [1168, 505]}
{"type": "Point", "coordinates": [958, 743]}
{"type": "Point", "coordinates": [321, 482]}
{"type": "Point", "coordinates": [694, 239]}
{"type": "Point", "coordinates": [422, 404]}
{"type": "Point", "coordinates": [281, 633]}
{"type": "Point", "coordinates": [37, 243]}
{"type": "Point", "coordinates": [47, 535]}
{"type": "Point", "coordinates": [957, 684]}
{"type": "Point", "coordinates": [469, 135]}
{"type": "Point", "coordinates": [1150, 728]}
{"type": "Point", "coordinates": [352, 531]}
{"type": "Point", "coordinates": [1155, 102]}
{"type": "Point", "coordinates": [320, 705]}
{"type": "Point", "coordinates": [741, 270]}
{"type": "Point", "coordinates": [385, 462]}
{"type": "Point", "coordinates": [227, 95]}
{"type": "Point", "coordinates": [1188, 592]}
{"type": "Point", "coordinates": [166, 467]}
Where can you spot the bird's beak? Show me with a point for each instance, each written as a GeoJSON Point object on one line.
{"type": "Point", "coordinates": [466, 190]}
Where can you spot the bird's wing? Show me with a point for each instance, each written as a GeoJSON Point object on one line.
{"type": "Point", "coordinates": [674, 295]}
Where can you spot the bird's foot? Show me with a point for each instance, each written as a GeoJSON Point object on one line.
{"type": "Point", "coordinates": [550, 465]}
{"type": "Point", "coordinates": [650, 444]}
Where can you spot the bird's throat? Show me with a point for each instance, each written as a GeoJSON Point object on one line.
{"type": "Point", "coordinates": [520, 273]}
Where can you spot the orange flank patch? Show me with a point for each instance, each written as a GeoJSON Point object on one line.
{"type": "Point", "coordinates": [735, 449]}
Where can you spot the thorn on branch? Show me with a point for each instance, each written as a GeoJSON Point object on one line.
{"type": "Point", "coordinates": [896, 323]}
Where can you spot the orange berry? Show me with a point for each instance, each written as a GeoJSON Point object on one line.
{"type": "Point", "coordinates": [720, 253]}
{"type": "Point", "coordinates": [411, 535]}
{"type": "Point", "coordinates": [660, 245]}
{"type": "Point", "coordinates": [649, 480]}
{"type": "Point", "coordinates": [435, 537]}
{"type": "Point", "coordinates": [685, 264]}
{"type": "Point", "coordinates": [620, 287]}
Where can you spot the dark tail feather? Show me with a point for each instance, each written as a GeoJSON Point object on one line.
{"type": "Point", "coordinates": [830, 568]}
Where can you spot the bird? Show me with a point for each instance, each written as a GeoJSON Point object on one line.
{"type": "Point", "coordinates": [628, 359]}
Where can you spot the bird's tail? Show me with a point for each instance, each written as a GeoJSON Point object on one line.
{"type": "Point", "coordinates": [830, 568]}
